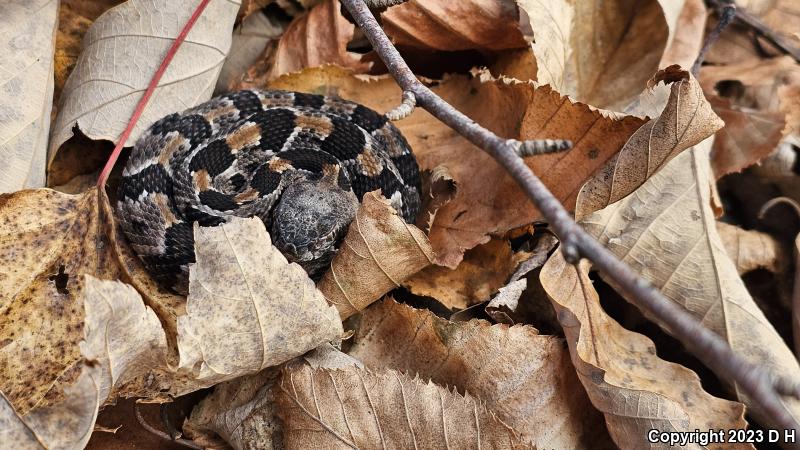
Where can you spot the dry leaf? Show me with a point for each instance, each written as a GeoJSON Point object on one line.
{"type": "Point", "coordinates": [449, 26]}
{"type": "Point", "coordinates": [124, 339]}
{"type": "Point", "coordinates": [122, 50]}
{"type": "Point", "coordinates": [600, 53]}
{"type": "Point", "coordinates": [53, 240]}
{"type": "Point", "coordinates": [526, 379]}
{"type": "Point", "coordinates": [438, 189]}
{"type": "Point", "coordinates": [620, 371]}
{"type": "Point", "coordinates": [748, 136]}
{"type": "Point", "coordinates": [316, 38]}
{"type": "Point", "coordinates": [750, 250]}
{"type": "Point", "coordinates": [666, 232]}
{"type": "Point", "coordinates": [488, 201]}
{"type": "Point", "coordinates": [26, 82]}
{"type": "Point", "coordinates": [248, 43]}
{"type": "Point", "coordinates": [687, 39]}
{"type": "Point", "coordinates": [686, 120]}
{"type": "Point", "coordinates": [782, 16]}
{"type": "Point", "coordinates": [244, 295]}
{"type": "Point", "coordinates": [379, 252]}
{"type": "Point", "coordinates": [356, 408]}
{"type": "Point", "coordinates": [483, 271]}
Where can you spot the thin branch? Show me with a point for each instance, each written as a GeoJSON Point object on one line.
{"type": "Point", "coordinates": [753, 380]}
{"type": "Point", "coordinates": [726, 15]}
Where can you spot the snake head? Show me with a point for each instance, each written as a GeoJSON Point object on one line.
{"type": "Point", "coordinates": [311, 218]}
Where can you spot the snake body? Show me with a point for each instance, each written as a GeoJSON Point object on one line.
{"type": "Point", "coordinates": [300, 162]}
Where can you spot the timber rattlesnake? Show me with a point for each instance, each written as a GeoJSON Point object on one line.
{"type": "Point", "coordinates": [300, 162]}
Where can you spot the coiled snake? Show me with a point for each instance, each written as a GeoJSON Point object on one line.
{"type": "Point", "coordinates": [300, 162]}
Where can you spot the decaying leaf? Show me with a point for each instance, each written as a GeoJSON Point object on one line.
{"type": "Point", "coordinates": [447, 25]}
{"type": "Point", "coordinates": [488, 201]}
{"type": "Point", "coordinates": [120, 53]}
{"type": "Point", "coordinates": [600, 53]}
{"type": "Point", "coordinates": [686, 120]}
{"type": "Point", "coordinates": [438, 189]}
{"type": "Point", "coordinates": [666, 232]}
{"type": "Point", "coordinates": [483, 271]}
{"type": "Point", "coordinates": [249, 41]}
{"type": "Point", "coordinates": [51, 241]}
{"type": "Point", "coordinates": [379, 252]}
{"type": "Point", "coordinates": [750, 249]}
{"type": "Point", "coordinates": [357, 408]}
{"type": "Point", "coordinates": [620, 371]}
{"type": "Point", "coordinates": [526, 379]}
{"type": "Point", "coordinates": [26, 82]}
{"type": "Point", "coordinates": [243, 294]}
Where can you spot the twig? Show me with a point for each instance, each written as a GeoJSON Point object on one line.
{"type": "Point", "coordinates": [761, 28]}
{"type": "Point", "coordinates": [151, 87]}
{"type": "Point", "coordinates": [161, 434]}
{"type": "Point", "coordinates": [753, 380]}
{"type": "Point", "coordinates": [726, 15]}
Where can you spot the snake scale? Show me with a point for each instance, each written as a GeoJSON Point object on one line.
{"type": "Point", "coordinates": [300, 162]}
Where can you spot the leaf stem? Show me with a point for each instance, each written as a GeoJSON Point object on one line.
{"type": "Point", "coordinates": [754, 380]}
{"type": "Point", "coordinates": [151, 87]}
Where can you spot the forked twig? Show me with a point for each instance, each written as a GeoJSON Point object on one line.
{"type": "Point", "coordinates": [756, 382]}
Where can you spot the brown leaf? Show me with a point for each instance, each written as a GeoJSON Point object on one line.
{"type": "Point", "coordinates": [620, 371]}
{"type": "Point", "coordinates": [488, 201]}
{"type": "Point", "coordinates": [666, 232]}
{"type": "Point", "coordinates": [686, 120]}
{"type": "Point", "coordinates": [750, 250]}
{"type": "Point", "coordinates": [316, 38]}
{"type": "Point", "coordinates": [28, 38]}
{"type": "Point", "coordinates": [379, 252]}
{"type": "Point", "coordinates": [748, 136]}
{"type": "Point", "coordinates": [449, 26]}
{"type": "Point", "coordinates": [525, 378]}
{"type": "Point", "coordinates": [243, 294]}
{"type": "Point", "coordinates": [480, 274]}
{"type": "Point", "coordinates": [52, 240]}
{"type": "Point", "coordinates": [120, 53]}
{"type": "Point", "coordinates": [438, 189]}
{"type": "Point", "coordinates": [250, 40]}
{"type": "Point", "coordinates": [600, 53]}
{"type": "Point", "coordinates": [356, 408]}
{"type": "Point", "coordinates": [689, 30]}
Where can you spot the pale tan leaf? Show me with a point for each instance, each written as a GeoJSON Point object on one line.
{"type": "Point", "coordinates": [379, 253]}
{"type": "Point", "coordinates": [356, 408]}
{"type": "Point", "coordinates": [244, 295]}
{"type": "Point", "coordinates": [782, 16]}
{"type": "Point", "coordinates": [26, 81]}
{"type": "Point", "coordinates": [48, 242]}
{"type": "Point", "coordinates": [666, 232]}
{"type": "Point", "coordinates": [526, 379]}
{"type": "Point", "coordinates": [249, 41]}
{"type": "Point", "coordinates": [687, 34]}
{"type": "Point", "coordinates": [483, 271]}
{"type": "Point", "coordinates": [599, 52]}
{"type": "Point", "coordinates": [488, 201]}
{"type": "Point", "coordinates": [636, 390]}
{"type": "Point", "coordinates": [122, 50]}
{"type": "Point", "coordinates": [751, 250]}
{"type": "Point", "coordinates": [686, 120]}
{"type": "Point", "coordinates": [454, 25]}
{"type": "Point", "coordinates": [124, 339]}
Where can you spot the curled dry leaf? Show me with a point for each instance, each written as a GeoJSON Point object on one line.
{"type": "Point", "coordinates": [379, 252]}
{"type": "Point", "coordinates": [449, 26]}
{"type": "Point", "coordinates": [438, 189]}
{"type": "Point", "coordinates": [316, 38]}
{"type": "Point", "coordinates": [249, 41]}
{"type": "Point", "coordinates": [243, 294]}
{"type": "Point", "coordinates": [53, 239]}
{"type": "Point", "coordinates": [120, 53]}
{"type": "Point", "coordinates": [357, 408]}
{"type": "Point", "coordinates": [614, 363]}
{"type": "Point", "coordinates": [751, 250]}
{"type": "Point", "coordinates": [665, 231]}
{"type": "Point", "coordinates": [488, 201]}
{"type": "Point", "coordinates": [483, 271]}
{"type": "Point", "coordinates": [27, 39]}
{"type": "Point", "coordinates": [686, 120]}
{"type": "Point", "coordinates": [526, 379]}
{"type": "Point", "coordinates": [600, 53]}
